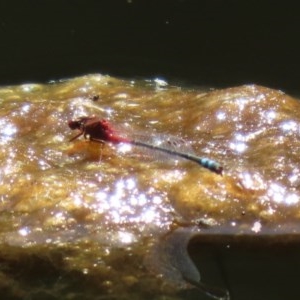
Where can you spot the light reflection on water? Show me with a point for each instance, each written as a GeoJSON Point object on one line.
{"type": "Point", "coordinates": [126, 200]}
{"type": "Point", "coordinates": [125, 203]}
{"type": "Point", "coordinates": [8, 131]}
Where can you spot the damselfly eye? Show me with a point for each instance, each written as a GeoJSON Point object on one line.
{"type": "Point", "coordinates": [74, 124]}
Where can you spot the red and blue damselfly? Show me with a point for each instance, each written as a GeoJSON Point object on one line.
{"type": "Point", "coordinates": [100, 130]}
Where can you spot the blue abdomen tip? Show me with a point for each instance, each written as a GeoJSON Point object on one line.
{"type": "Point", "coordinates": [211, 165]}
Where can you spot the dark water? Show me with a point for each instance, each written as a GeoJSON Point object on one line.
{"type": "Point", "coordinates": [256, 270]}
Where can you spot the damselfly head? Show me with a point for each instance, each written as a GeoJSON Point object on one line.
{"type": "Point", "coordinates": [81, 122]}
{"type": "Point", "coordinates": [74, 124]}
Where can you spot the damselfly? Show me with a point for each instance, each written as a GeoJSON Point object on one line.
{"type": "Point", "coordinates": [100, 130]}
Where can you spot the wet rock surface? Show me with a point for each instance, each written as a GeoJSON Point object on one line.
{"type": "Point", "coordinates": [86, 218]}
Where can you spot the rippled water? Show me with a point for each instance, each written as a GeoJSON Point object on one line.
{"type": "Point", "coordinates": [89, 212]}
